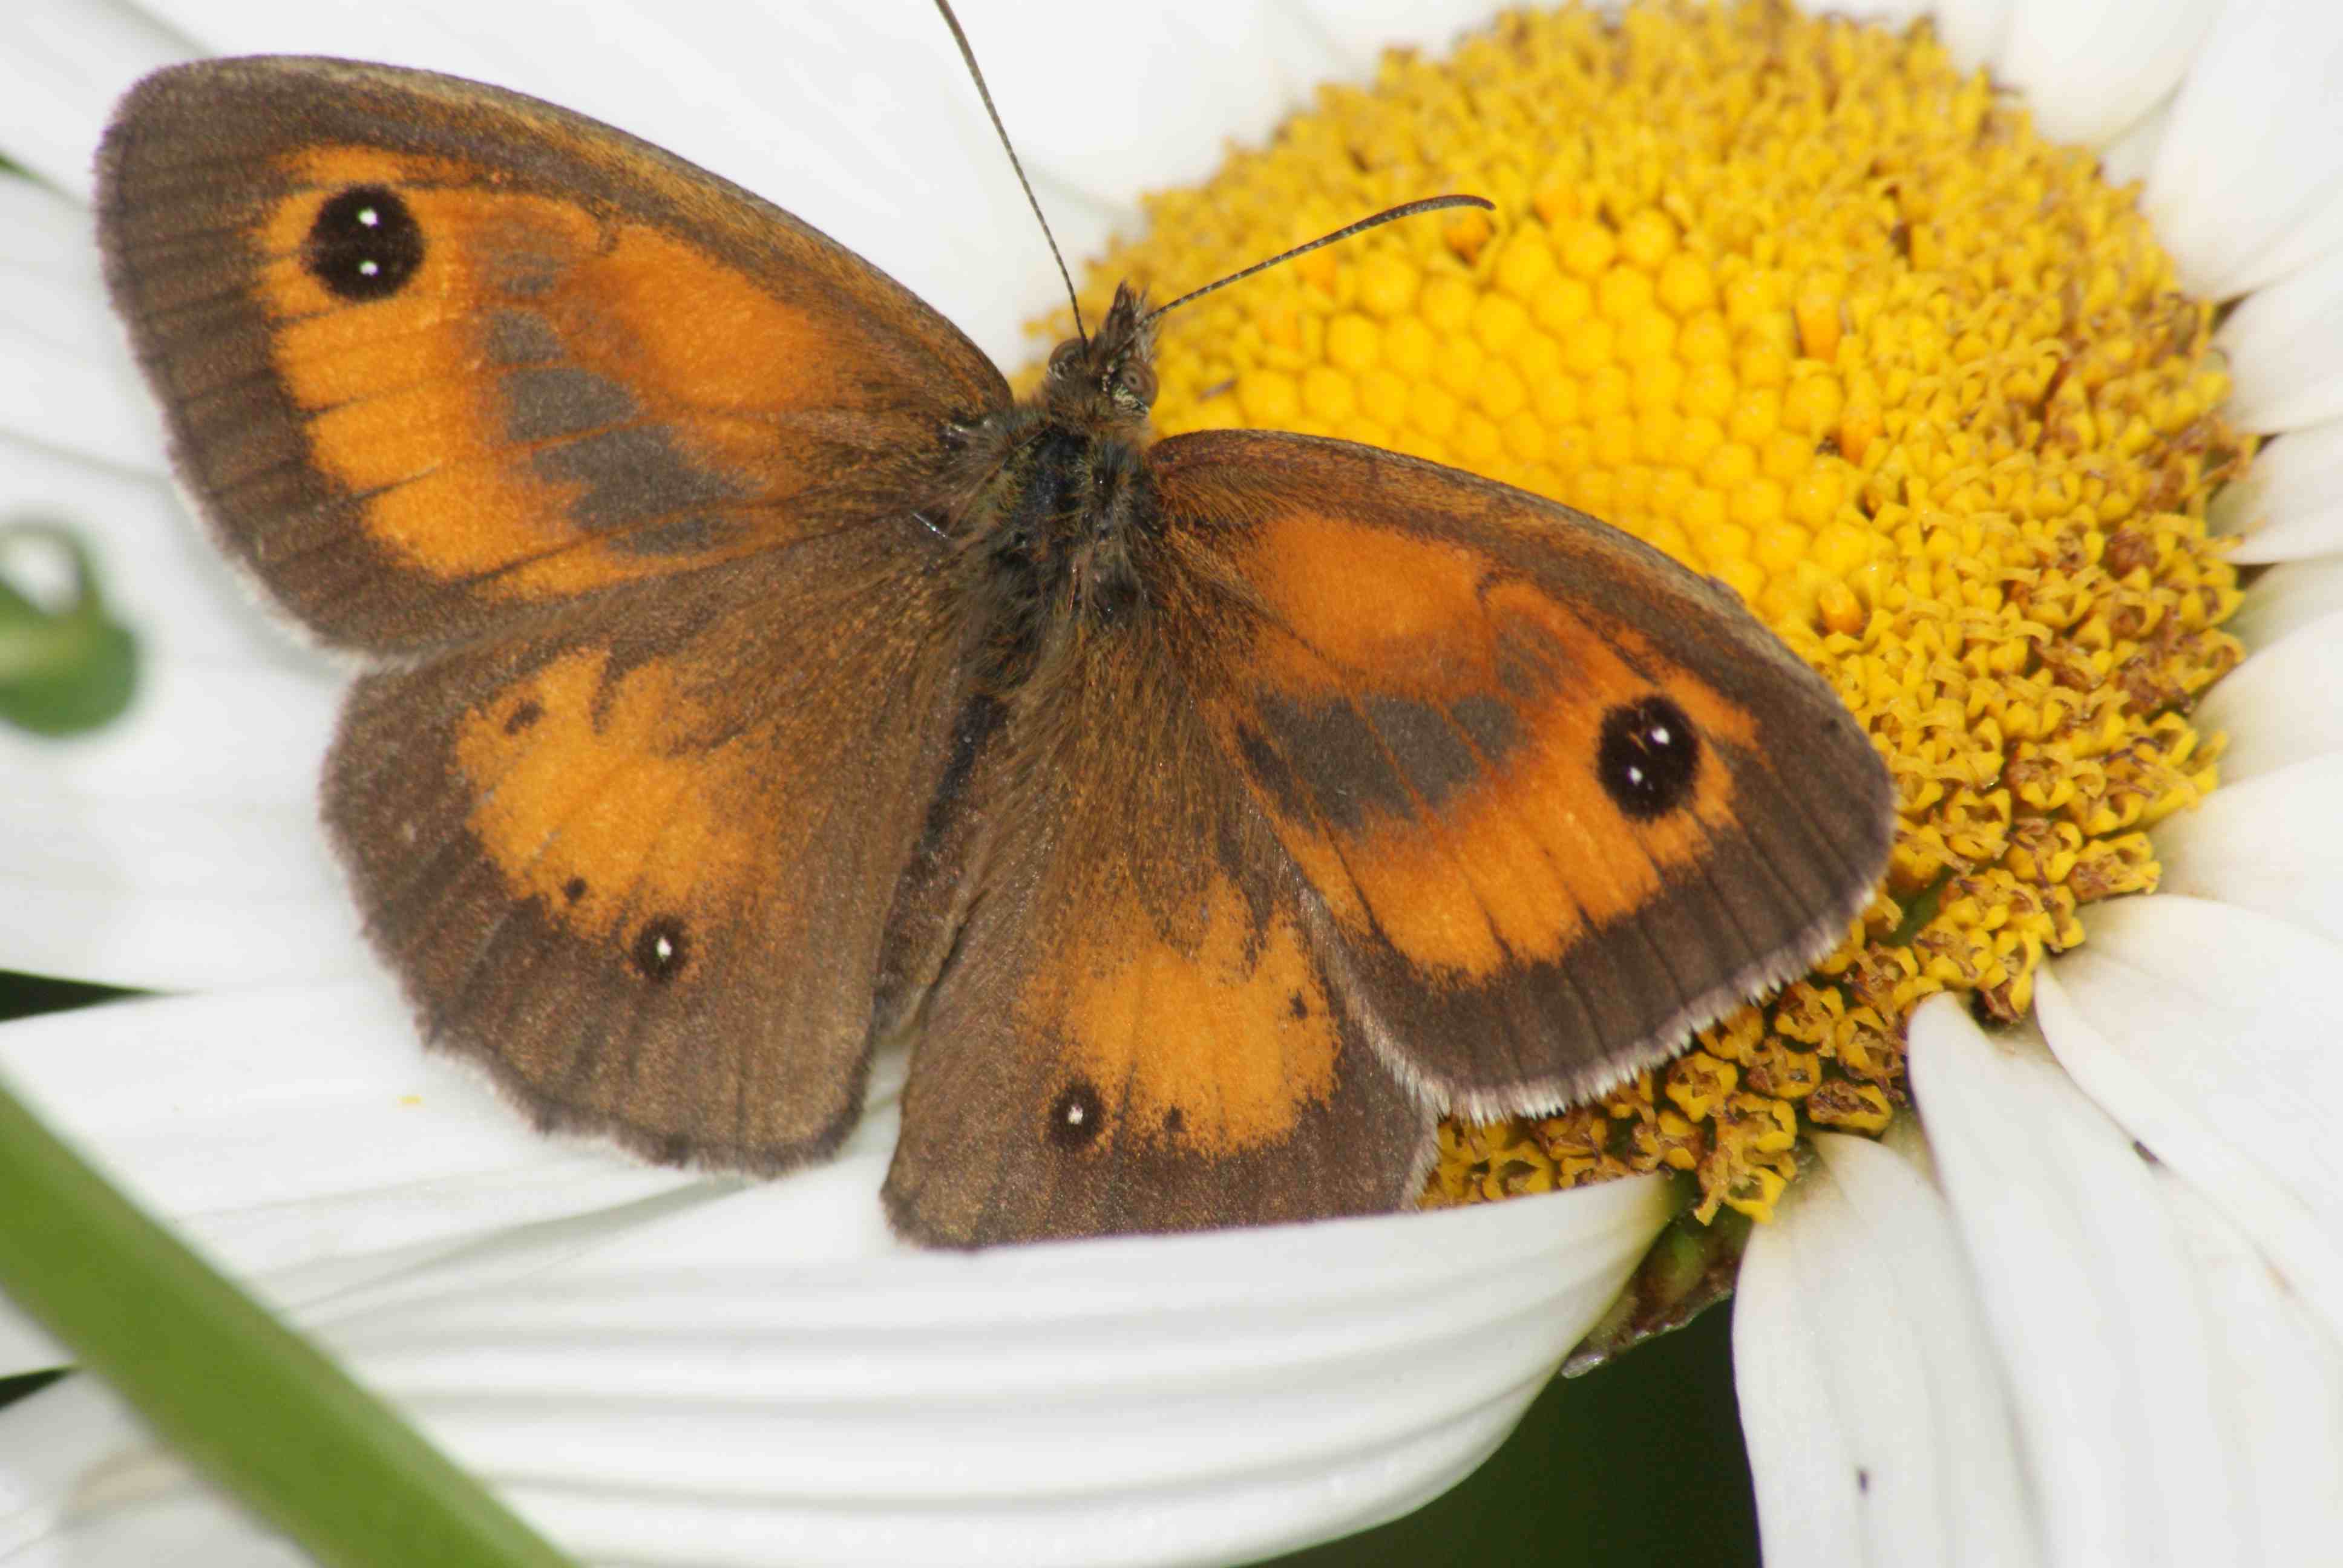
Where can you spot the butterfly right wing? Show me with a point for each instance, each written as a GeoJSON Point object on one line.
{"type": "Point", "coordinates": [640, 863]}
{"type": "Point", "coordinates": [436, 357]}
{"type": "Point", "coordinates": [618, 465]}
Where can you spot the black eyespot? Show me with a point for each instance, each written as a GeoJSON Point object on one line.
{"type": "Point", "coordinates": [1077, 1116]}
{"type": "Point", "coordinates": [660, 951]}
{"type": "Point", "coordinates": [365, 244]}
{"type": "Point", "coordinates": [527, 714]}
{"type": "Point", "coordinates": [574, 889]}
{"type": "Point", "coordinates": [1648, 758]}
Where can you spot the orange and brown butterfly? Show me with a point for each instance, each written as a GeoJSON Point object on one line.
{"type": "Point", "coordinates": [756, 685]}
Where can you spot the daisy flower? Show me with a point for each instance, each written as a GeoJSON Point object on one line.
{"type": "Point", "coordinates": [1944, 347]}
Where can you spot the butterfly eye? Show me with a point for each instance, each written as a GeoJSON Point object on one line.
{"type": "Point", "coordinates": [1134, 385]}
{"type": "Point", "coordinates": [1065, 357]}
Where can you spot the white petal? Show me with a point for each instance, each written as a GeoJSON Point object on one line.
{"type": "Point", "coordinates": [305, 1140]}
{"type": "Point", "coordinates": [2201, 1029]}
{"type": "Point", "coordinates": [2126, 158]}
{"type": "Point", "coordinates": [2281, 1388]}
{"type": "Point", "coordinates": [2247, 185]}
{"type": "Point", "coordinates": [2289, 505]}
{"type": "Point", "coordinates": [2283, 704]}
{"type": "Point", "coordinates": [78, 1417]}
{"type": "Point", "coordinates": [2285, 349]}
{"type": "Point", "coordinates": [166, 582]}
{"type": "Point", "coordinates": [240, 734]}
{"type": "Point", "coordinates": [1892, 14]}
{"type": "Point", "coordinates": [25, 1347]}
{"type": "Point", "coordinates": [2287, 597]}
{"type": "Point", "coordinates": [2273, 842]}
{"type": "Point", "coordinates": [170, 896]}
{"type": "Point", "coordinates": [180, 847]}
{"type": "Point", "coordinates": [1361, 30]}
{"type": "Point", "coordinates": [71, 383]}
{"type": "Point", "coordinates": [1204, 73]}
{"type": "Point", "coordinates": [66, 63]}
{"type": "Point", "coordinates": [1972, 30]}
{"type": "Point", "coordinates": [2088, 68]}
{"type": "Point", "coordinates": [1195, 1399]}
{"type": "Point", "coordinates": [44, 238]}
{"type": "Point", "coordinates": [2088, 1294]}
{"type": "Point", "coordinates": [740, 1371]}
{"type": "Point", "coordinates": [1878, 1419]}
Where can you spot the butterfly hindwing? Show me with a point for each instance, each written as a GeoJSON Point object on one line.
{"type": "Point", "coordinates": [1563, 800]}
{"type": "Point", "coordinates": [640, 865]}
{"type": "Point", "coordinates": [433, 354]}
{"type": "Point", "coordinates": [1134, 1031]}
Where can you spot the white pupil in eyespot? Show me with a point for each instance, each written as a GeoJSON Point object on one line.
{"type": "Point", "coordinates": [369, 217]}
{"type": "Point", "coordinates": [1075, 1115]}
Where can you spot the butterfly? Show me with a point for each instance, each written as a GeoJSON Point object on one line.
{"type": "Point", "coordinates": [754, 684]}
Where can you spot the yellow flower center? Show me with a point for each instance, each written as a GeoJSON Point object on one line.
{"type": "Point", "coordinates": [1803, 306]}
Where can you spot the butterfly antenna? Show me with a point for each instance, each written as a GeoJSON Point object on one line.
{"type": "Point", "coordinates": [1389, 214]}
{"type": "Point", "coordinates": [985, 93]}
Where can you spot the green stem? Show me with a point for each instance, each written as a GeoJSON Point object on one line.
{"type": "Point", "coordinates": [256, 1405]}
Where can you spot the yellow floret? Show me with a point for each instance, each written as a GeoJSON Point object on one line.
{"type": "Point", "coordinates": [1800, 304]}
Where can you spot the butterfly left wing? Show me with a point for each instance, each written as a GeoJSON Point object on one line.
{"type": "Point", "coordinates": [1563, 800]}
{"type": "Point", "coordinates": [1135, 1031]}
{"type": "Point", "coordinates": [1396, 790]}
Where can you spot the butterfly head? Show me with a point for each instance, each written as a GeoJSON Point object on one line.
{"type": "Point", "coordinates": [1107, 379]}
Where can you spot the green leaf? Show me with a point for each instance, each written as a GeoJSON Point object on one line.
{"type": "Point", "coordinates": [256, 1406]}
{"type": "Point", "coordinates": [68, 670]}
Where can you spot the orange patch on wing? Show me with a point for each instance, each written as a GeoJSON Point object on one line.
{"type": "Point", "coordinates": [412, 402]}
{"type": "Point", "coordinates": [690, 330]}
{"type": "Point", "coordinates": [596, 799]}
{"type": "Point", "coordinates": [1370, 598]}
{"type": "Point", "coordinates": [1215, 1042]}
{"type": "Point", "coordinates": [1514, 854]}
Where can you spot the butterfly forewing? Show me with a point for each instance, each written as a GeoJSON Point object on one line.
{"type": "Point", "coordinates": [1563, 800]}
{"type": "Point", "coordinates": [436, 354]}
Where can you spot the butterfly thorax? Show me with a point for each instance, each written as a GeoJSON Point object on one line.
{"type": "Point", "coordinates": [1059, 510]}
